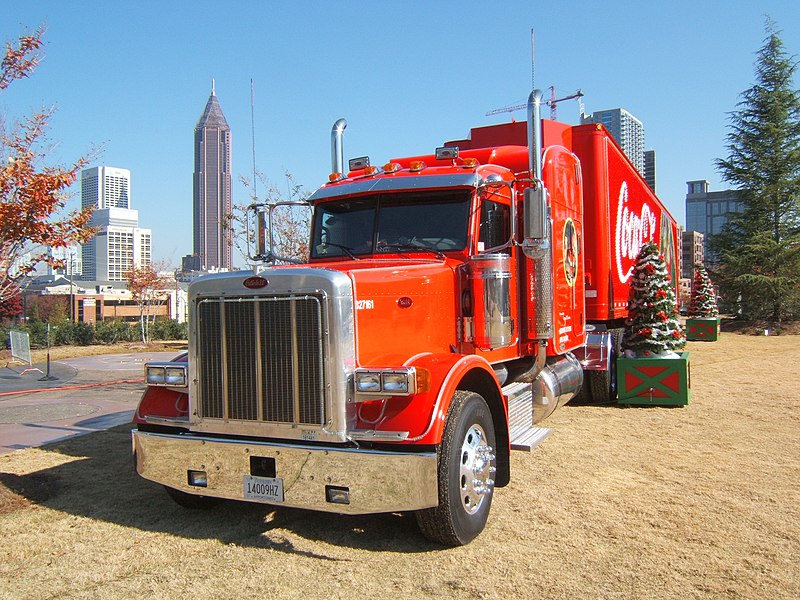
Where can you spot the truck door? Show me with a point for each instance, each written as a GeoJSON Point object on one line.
{"type": "Point", "coordinates": [562, 177]}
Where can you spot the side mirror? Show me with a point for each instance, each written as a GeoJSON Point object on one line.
{"type": "Point", "coordinates": [535, 213]}
{"type": "Point", "coordinates": [280, 233]}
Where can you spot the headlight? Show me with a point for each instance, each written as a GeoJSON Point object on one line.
{"type": "Point", "coordinates": [396, 383]}
{"type": "Point", "coordinates": [367, 383]}
{"type": "Point", "coordinates": [385, 382]}
{"type": "Point", "coordinates": [168, 374]}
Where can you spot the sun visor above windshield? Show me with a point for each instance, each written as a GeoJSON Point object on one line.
{"type": "Point", "coordinates": [392, 184]}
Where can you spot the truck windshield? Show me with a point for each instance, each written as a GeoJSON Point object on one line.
{"type": "Point", "coordinates": [391, 223]}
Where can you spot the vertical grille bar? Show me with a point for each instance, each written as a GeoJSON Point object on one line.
{"type": "Point", "coordinates": [310, 368]}
{"type": "Point", "coordinates": [240, 342]}
{"type": "Point", "coordinates": [259, 364]}
{"type": "Point", "coordinates": [295, 361]}
{"type": "Point", "coordinates": [209, 359]}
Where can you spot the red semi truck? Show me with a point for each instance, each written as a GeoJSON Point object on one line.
{"type": "Point", "coordinates": [451, 302]}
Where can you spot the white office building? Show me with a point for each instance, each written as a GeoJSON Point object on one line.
{"type": "Point", "coordinates": [628, 132]}
{"type": "Point", "coordinates": [119, 244]}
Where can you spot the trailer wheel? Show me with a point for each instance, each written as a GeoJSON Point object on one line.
{"type": "Point", "coordinates": [603, 384]}
{"type": "Point", "coordinates": [467, 460]}
{"type": "Point", "coordinates": [191, 501]}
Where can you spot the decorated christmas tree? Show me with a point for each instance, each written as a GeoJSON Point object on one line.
{"type": "Point", "coordinates": [652, 327]}
{"type": "Point", "coordinates": [704, 301]}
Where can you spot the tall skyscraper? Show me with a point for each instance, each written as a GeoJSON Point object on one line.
{"type": "Point", "coordinates": [119, 244]}
{"type": "Point", "coordinates": [212, 187]}
{"type": "Point", "coordinates": [626, 129]}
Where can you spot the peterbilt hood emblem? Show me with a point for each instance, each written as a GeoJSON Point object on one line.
{"type": "Point", "coordinates": [255, 283]}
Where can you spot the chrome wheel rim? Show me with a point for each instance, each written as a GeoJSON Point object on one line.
{"type": "Point", "coordinates": [475, 469]}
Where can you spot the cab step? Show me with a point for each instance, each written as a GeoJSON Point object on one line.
{"type": "Point", "coordinates": [527, 440]}
{"type": "Point", "coordinates": [524, 434]}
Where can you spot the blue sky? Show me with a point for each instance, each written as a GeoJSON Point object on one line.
{"type": "Point", "coordinates": [132, 79]}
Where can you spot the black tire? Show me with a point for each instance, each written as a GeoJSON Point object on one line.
{"type": "Point", "coordinates": [603, 384]}
{"type": "Point", "coordinates": [191, 501]}
{"type": "Point", "coordinates": [467, 461]}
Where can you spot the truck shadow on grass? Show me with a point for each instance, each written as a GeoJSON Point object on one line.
{"type": "Point", "coordinates": [100, 483]}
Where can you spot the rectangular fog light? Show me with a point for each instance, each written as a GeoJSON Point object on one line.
{"type": "Point", "coordinates": [337, 495]}
{"type": "Point", "coordinates": [198, 478]}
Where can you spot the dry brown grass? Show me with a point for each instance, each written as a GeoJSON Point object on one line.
{"type": "Point", "coordinates": [694, 502]}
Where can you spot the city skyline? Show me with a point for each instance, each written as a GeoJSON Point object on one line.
{"type": "Point", "coordinates": [405, 80]}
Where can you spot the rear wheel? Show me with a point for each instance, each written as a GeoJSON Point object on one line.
{"type": "Point", "coordinates": [466, 473]}
{"type": "Point", "coordinates": [603, 384]}
{"type": "Point", "coordinates": [191, 501]}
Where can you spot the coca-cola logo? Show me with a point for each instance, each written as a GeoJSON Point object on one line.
{"type": "Point", "coordinates": [632, 232]}
{"type": "Point", "coordinates": [255, 283]}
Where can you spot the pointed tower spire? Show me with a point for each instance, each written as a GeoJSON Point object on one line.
{"type": "Point", "coordinates": [213, 86]}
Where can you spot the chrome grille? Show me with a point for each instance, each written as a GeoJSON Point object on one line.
{"type": "Point", "coordinates": [261, 359]}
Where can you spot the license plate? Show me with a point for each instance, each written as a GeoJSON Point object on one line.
{"type": "Point", "coordinates": [269, 489]}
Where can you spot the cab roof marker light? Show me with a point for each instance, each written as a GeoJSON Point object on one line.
{"type": "Point", "coordinates": [392, 167]}
{"type": "Point", "coordinates": [334, 177]}
{"type": "Point", "coordinates": [417, 166]}
{"type": "Point", "coordinates": [356, 164]}
{"type": "Point", "coordinates": [447, 152]}
{"type": "Point", "coordinates": [470, 163]}
{"type": "Point", "coordinates": [372, 170]}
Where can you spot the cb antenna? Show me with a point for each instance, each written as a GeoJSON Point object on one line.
{"type": "Point", "coordinates": [253, 137]}
{"type": "Point", "coordinates": [533, 69]}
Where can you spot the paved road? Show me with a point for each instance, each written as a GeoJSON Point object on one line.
{"type": "Point", "coordinates": [82, 395]}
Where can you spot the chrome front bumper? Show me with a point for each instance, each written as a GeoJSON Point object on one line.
{"type": "Point", "coordinates": [377, 481]}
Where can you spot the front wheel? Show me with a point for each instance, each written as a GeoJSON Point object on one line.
{"type": "Point", "coordinates": [466, 473]}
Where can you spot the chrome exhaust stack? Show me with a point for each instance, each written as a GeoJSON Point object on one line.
{"type": "Point", "coordinates": [337, 151]}
{"type": "Point", "coordinates": [535, 135]}
{"type": "Point", "coordinates": [537, 233]}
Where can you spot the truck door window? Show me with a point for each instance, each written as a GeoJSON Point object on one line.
{"type": "Point", "coordinates": [495, 225]}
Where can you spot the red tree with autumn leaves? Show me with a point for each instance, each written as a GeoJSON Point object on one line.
{"type": "Point", "coordinates": [32, 193]}
{"type": "Point", "coordinates": [148, 290]}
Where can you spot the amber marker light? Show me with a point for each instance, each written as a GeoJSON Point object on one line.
{"type": "Point", "coordinates": [334, 177]}
{"type": "Point", "coordinates": [470, 163]}
{"type": "Point", "coordinates": [391, 167]}
{"type": "Point", "coordinates": [423, 380]}
{"type": "Point", "coordinates": [371, 170]}
{"type": "Point", "coordinates": [416, 166]}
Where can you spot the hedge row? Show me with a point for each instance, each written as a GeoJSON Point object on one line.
{"type": "Point", "coordinates": [84, 334]}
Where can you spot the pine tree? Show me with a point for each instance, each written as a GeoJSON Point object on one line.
{"type": "Point", "coordinates": [757, 262]}
{"type": "Point", "coordinates": [652, 327]}
{"type": "Point", "coordinates": [704, 301]}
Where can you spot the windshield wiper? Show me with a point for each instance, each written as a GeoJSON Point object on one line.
{"type": "Point", "coordinates": [347, 250]}
{"type": "Point", "coordinates": [412, 246]}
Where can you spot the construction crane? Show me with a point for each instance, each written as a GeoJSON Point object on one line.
{"type": "Point", "coordinates": [551, 103]}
